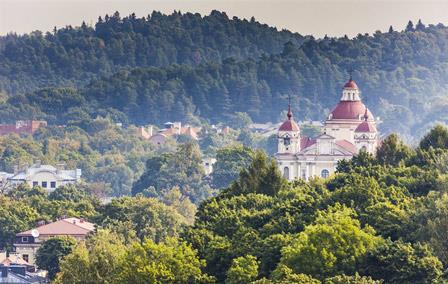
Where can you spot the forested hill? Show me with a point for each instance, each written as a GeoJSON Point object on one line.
{"type": "Point", "coordinates": [70, 56]}
{"type": "Point", "coordinates": [221, 66]}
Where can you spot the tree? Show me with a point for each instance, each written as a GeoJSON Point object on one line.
{"type": "Point", "coordinates": [436, 138]}
{"type": "Point", "coordinates": [240, 120]}
{"type": "Point", "coordinates": [409, 27]}
{"type": "Point", "coordinates": [399, 262]}
{"type": "Point", "coordinates": [148, 217]}
{"type": "Point", "coordinates": [420, 26]}
{"type": "Point", "coordinates": [331, 246]}
{"type": "Point", "coordinates": [168, 262]}
{"type": "Point", "coordinates": [182, 169]}
{"type": "Point", "coordinates": [393, 151]}
{"type": "Point", "coordinates": [391, 29]}
{"type": "Point", "coordinates": [244, 269]}
{"type": "Point", "coordinates": [356, 279]}
{"type": "Point", "coordinates": [51, 253]}
{"type": "Point", "coordinates": [262, 176]}
{"type": "Point", "coordinates": [229, 162]}
{"type": "Point", "coordinates": [99, 259]}
{"type": "Point", "coordinates": [15, 217]}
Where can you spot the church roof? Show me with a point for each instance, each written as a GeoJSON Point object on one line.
{"type": "Point", "coordinates": [366, 126]}
{"type": "Point", "coordinates": [351, 84]}
{"type": "Point", "coordinates": [306, 142]}
{"type": "Point", "coordinates": [349, 110]}
{"type": "Point", "coordinates": [347, 145]}
{"type": "Point", "coordinates": [289, 125]}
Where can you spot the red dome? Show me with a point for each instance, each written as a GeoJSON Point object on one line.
{"type": "Point", "coordinates": [351, 84]}
{"type": "Point", "coordinates": [350, 110]}
{"type": "Point", "coordinates": [289, 125]}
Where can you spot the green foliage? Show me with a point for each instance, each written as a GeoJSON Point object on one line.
{"type": "Point", "coordinates": [99, 259]}
{"type": "Point", "coordinates": [244, 269]}
{"type": "Point", "coordinates": [182, 168]}
{"type": "Point", "coordinates": [147, 217]}
{"type": "Point", "coordinates": [229, 163]}
{"type": "Point", "coordinates": [357, 279]}
{"type": "Point", "coordinates": [262, 176]}
{"type": "Point", "coordinates": [436, 138]}
{"type": "Point", "coordinates": [393, 151]}
{"type": "Point", "coordinates": [331, 246]}
{"type": "Point", "coordinates": [52, 251]}
{"type": "Point", "coordinates": [168, 262]}
{"type": "Point", "coordinates": [399, 262]}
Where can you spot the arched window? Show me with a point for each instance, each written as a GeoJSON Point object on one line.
{"type": "Point", "coordinates": [324, 173]}
{"type": "Point", "coordinates": [364, 148]}
{"type": "Point", "coordinates": [286, 172]}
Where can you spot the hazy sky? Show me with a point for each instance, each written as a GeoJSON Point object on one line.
{"type": "Point", "coordinates": [318, 17]}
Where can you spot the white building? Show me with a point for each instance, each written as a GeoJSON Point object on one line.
{"type": "Point", "coordinates": [46, 176]}
{"type": "Point", "coordinates": [349, 128]}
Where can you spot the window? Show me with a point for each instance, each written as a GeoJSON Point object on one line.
{"type": "Point", "coordinates": [35, 183]}
{"type": "Point", "coordinates": [44, 184]}
{"type": "Point", "coordinates": [286, 141]}
{"type": "Point", "coordinates": [324, 173]}
{"type": "Point", "coordinates": [286, 173]}
{"type": "Point", "coordinates": [53, 184]}
{"type": "Point", "coordinates": [25, 257]}
{"type": "Point", "coordinates": [24, 239]}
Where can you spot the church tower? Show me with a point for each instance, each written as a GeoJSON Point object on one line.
{"type": "Point", "coordinates": [288, 135]}
{"type": "Point", "coordinates": [366, 135]}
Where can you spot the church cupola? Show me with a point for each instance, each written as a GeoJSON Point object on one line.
{"type": "Point", "coordinates": [350, 91]}
{"type": "Point", "coordinates": [289, 135]}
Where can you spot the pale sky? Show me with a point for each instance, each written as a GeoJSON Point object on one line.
{"type": "Point", "coordinates": [318, 17]}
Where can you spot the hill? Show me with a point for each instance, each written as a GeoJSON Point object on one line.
{"type": "Point", "coordinates": [223, 66]}
{"type": "Point", "coordinates": [71, 56]}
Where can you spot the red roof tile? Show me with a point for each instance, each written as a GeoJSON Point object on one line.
{"type": "Point", "coordinates": [289, 125]}
{"type": "Point", "coordinates": [306, 142]}
{"type": "Point", "coordinates": [366, 126]}
{"type": "Point", "coordinates": [68, 226]}
{"type": "Point", "coordinates": [347, 145]}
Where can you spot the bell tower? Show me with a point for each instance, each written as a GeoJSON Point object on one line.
{"type": "Point", "coordinates": [288, 135]}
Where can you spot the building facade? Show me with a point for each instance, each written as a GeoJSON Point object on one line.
{"type": "Point", "coordinates": [348, 129]}
{"type": "Point", "coordinates": [27, 243]}
{"type": "Point", "coordinates": [46, 176]}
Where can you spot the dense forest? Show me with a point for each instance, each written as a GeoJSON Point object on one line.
{"type": "Point", "coordinates": [71, 56]}
{"type": "Point", "coordinates": [378, 219]}
{"type": "Point", "coordinates": [185, 66]}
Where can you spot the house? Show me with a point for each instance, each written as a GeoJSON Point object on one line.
{"type": "Point", "coordinates": [46, 176]}
{"type": "Point", "coordinates": [207, 164]}
{"type": "Point", "coordinates": [172, 129]}
{"type": "Point", "coordinates": [27, 243]}
{"type": "Point", "coordinates": [348, 129]}
{"type": "Point", "coordinates": [22, 127]}
{"type": "Point", "coordinates": [17, 274]}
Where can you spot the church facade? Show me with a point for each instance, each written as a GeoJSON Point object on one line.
{"type": "Point", "coordinates": [348, 129]}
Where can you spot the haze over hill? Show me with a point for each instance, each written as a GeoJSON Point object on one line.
{"type": "Point", "coordinates": [180, 66]}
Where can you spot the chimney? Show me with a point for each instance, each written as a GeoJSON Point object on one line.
{"type": "Point", "coordinates": [38, 163]}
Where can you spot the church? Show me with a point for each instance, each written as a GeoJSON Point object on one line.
{"type": "Point", "coordinates": [348, 129]}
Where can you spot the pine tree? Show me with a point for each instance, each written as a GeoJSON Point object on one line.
{"type": "Point", "coordinates": [409, 27]}
{"type": "Point", "coordinates": [420, 26]}
{"type": "Point", "coordinates": [391, 29]}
